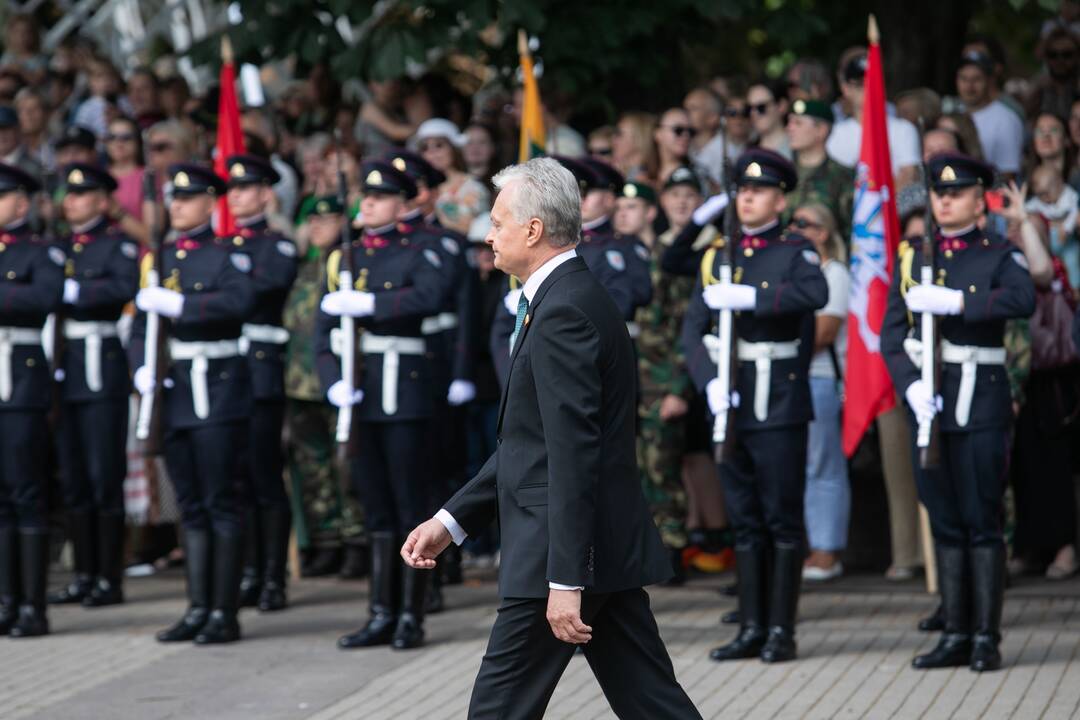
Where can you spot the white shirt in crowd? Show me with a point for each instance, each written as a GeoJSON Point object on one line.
{"type": "Point", "coordinates": [839, 281]}
{"type": "Point", "coordinates": [845, 142]}
{"type": "Point", "coordinates": [1001, 134]}
{"type": "Point", "coordinates": [710, 158]}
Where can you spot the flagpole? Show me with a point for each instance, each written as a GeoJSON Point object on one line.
{"type": "Point", "coordinates": [872, 34]}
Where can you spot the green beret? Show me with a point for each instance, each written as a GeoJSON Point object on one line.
{"type": "Point", "coordinates": [633, 189]}
{"type": "Point", "coordinates": [812, 108]}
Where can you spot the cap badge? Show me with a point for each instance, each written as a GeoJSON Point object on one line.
{"type": "Point", "coordinates": [753, 170]}
{"type": "Point", "coordinates": [629, 190]}
{"type": "Point", "coordinates": [799, 107]}
{"type": "Point", "coordinates": [399, 163]}
{"type": "Point", "coordinates": [948, 174]}
{"type": "Point", "coordinates": [181, 180]}
{"type": "Point", "coordinates": [237, 170]}
{"type": "Point", "coordinates": [75, 177]}
{"type": "Point", "coordinates": [374, 178]}
{"type": "Point", "coordinates": [322, 207]}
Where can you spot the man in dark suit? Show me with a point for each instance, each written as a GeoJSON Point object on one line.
{"type": "Point", "coordinates": [578, 544]}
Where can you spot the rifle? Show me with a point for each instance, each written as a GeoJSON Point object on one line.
{"type": "Point", "coordinates": [59, 342]}
{"type": "Point", "coordinates": [928, 436]}
{"type": "Point", "coordinates": [348, 323]}
{"type": "Point", "coordinates": [724, 423]}
{"type": "Point", "coordinates": [155, 348]}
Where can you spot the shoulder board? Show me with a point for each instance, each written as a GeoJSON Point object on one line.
{"type": "Point", "coordinates": [333, 265]}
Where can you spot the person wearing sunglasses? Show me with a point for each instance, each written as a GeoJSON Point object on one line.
{"type": "Point", "coordinates": [768, 106]}
{"type": "Point", "coordinates": [599, 143]}
{"type": "Point", "coordinates": [821, 179]}
{"type": "Point", "coordinates": [777, 286]}
{"type": "Point", "coordinates": [981, 281]}
{"type": "Point", "coordinates": [124, 153]}
{"type": "Point", "coordinates": [672, 136]}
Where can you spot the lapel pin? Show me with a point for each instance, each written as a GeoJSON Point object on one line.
{"type": "Point", "coordinates": [526, 321]}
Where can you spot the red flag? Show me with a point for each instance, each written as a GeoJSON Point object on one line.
{"type": "Point", "coordinates": [230, 139]}
{"type": "Point", "coordinates": [875, 233]}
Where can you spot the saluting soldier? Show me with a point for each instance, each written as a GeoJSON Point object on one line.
{"type": "Point", "coordinates": [398, 283]}
{"type": "Point", "coordinates": [979, 283]}
{"type": "Point", "coordinates": [31, 287]}
{"type": "Point", "coordinates": [206, 295]}
{"type": "Point", "coordinates": [267, 517]}
{"type": "Point", "coordinates": [777, 286]}
{"type": "Point", "coordinates": [102, 277]}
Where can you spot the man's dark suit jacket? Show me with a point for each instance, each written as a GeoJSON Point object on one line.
{"type": "Point", "coordinates": [564, 476]}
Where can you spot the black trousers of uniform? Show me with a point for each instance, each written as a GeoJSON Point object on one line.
{"type": "Point", "coordinates": [524, 661]}
{"type": "Point", "coordinates": [390, 474]}
{"type": "Point", "coordinates": [964, 496]}
{"type": "Point", "coordinates": [93, 455]}
{"type": "Point", "coordinates": [263, 455]}
{"type": "Point", "coordinates": [764, 484]}
{"type": "Point", "coordinates": [448, 433]}
{"type": "Point", "coordinates": [202, 463]}
{"type": "Point", "coordinates": [23, 443]}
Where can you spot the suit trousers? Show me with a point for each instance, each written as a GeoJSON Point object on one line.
{"type": "Point", "coordinates": [203, 467]}
{"type": "Point", "coordinates": [524, 661]}
{"type": "Point", "coordinates": [389, 474]}
{"type": "Point", "coordinates": [765, 484]}
{"type": "Point", "coordinates": [93, 455]}
{"type": "Point", "coordinates": [23, 443]}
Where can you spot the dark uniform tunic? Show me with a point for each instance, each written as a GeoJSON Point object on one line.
{"type": "Point", "coordinates": [405, 276]}
{"type": "Point", "coordinates": [31, 287]}
{"type": "Point", "coordinates": [620, 264]}
{"type": "Point", "coordinates": [96, 384]}
{"type": "Point", "coordinates": [201, 442]}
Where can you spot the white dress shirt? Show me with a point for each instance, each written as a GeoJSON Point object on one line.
{"type": "Point", "coordinates": [529, 291]}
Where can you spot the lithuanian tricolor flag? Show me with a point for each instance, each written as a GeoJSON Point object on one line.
{"type": "Point", "coordinates": [532, 115]}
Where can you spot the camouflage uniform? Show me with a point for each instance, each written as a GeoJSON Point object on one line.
{"type": "Point", "coordinates": [830, 184]}
{"type": "Point", "coordinates": [662, 372]}
{"type": "Point", "coordinates": [325, 514]}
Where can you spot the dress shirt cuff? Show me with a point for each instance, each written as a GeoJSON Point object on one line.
{"type": "Point", "coordinates": [456, 531]}
{"type": "Point", "coordinates": [559, 586]}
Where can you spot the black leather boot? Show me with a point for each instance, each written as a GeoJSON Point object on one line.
{"type": "Point", "coordinates": [34, 568]}
{"type": "Point", "coordinates": [197, 567]}
{"type": "Point", "coordinates": [222, 625]}
{"type": "Point", "coordinates": [81, 533]}
{"type": "Point", "coordinates": [988, 595]}
{"type": "Point", "coordinates": [379, 629]}
{"type": "Point", "coordinates": [750, 561]}
{"type": "Point", "coordinates": [731, 617]}
{"type": "Point", "coordinates": [251, 580]}
{"type": "Point", "coordinates": [410, 625]}
{"type": "Point", "coordinates": [9, 579]}
{"type": "Point", "coordinates": [108, 588]}
{"type": "Point", "coordinates": [355, 564]}
{"type": "Point", "coordinates": [934, 622]}
{"type": "Point", "coordinates": [954, 648]}
{"type": "Point", "coordinates": [276, 524]}
{"type": "Point", "coordinates": [322, 562]}
{"type": "Point", "coordinates": [783, 603]}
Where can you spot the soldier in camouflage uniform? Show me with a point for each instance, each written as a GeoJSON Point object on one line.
{"type": "Point", "coordinates": [665, 389]}
{"type": "Point", "coordinates": [821, 179]}
{"type": "Point", "coordinates": [327, 517]}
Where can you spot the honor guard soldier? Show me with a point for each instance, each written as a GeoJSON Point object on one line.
{"type": "Point", "coordinates": [206, 294]}
{"type": "Point", "coordinates": [102, 277]}
{"type": "Point", "coordinates": [31, 287]}
{"type": "Point", "coordinates": [979, 283]}
{"type": "Point", "coordinates": [449, 348]}
{"type": "Point", "coordinates": [777, 285]}
{"type": "Point", "coordinates": [268, 515]}
{"type": "Point", "coordinates": [398, 283]}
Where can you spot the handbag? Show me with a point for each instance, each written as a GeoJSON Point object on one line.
{"type": "Point", "coordinates": [1052, 345]}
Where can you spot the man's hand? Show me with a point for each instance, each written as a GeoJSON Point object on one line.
{"type": "Point", "coordinates": [673, 407]}
{"type": "Point", "coordinates": [424, 544]}
{"type": "Point", "coordinates": [564, 616]}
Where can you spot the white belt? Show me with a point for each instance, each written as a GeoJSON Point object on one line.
{"type": "Point", "coordinates": [634, 329]}
{"type": "Point", "coordinates": [91, 332]}
{"type": "Point", "coordinates": [269, 334]}
{"type": "Point", "coordinates": [438, 323]}
{"type": "Point", "coordinates": [200, 354]}
{"type": "Point", "coordinates": [9, 338]}
{"type": "Point", "coordinates": [968, 357]}
{"type": "Point", "coordinates": [391, 348]}
{"type": "Point", "coordinates": [761, 354]}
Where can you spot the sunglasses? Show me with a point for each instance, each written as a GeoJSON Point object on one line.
{"type": "Point", "coordinates": [120, 137]}
{"type": "Point", "coordinates": [161, 147]}
{"type": "Point", "coordinates": [602, 152]}
{"type": "Point", "coordinates": [760, 108]}
{"type": "Point", "coordinates": [681, 130]}
{"type": "Point", "coordinates": [737, 112]}
{"type": "Point", "coordinates": [803, 224]}
{"type": "Point", "coordinates": [432, 145]}
{"type": "Point", "coordinates": [1060, 55]}
{"type": "Point", "coordinates": [912, 239]}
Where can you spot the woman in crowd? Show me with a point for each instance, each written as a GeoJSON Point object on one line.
{"type": "Point", "coordinates": [461, 198]}
{"type": "Point", "coordinates": [967, 135]}
{"type": "Point", "coordinates": [672, 137]}
{"type": "Point", "coordinates": [632, 147]}
{"type": "Point", "coordinates": [481, 152]}
{"type": "Point", "coordinates": [828, 495]}
{"type": "Point", "coordinates": [123, 146]}
{"type": "Point", "coordinates": [1050, 146]}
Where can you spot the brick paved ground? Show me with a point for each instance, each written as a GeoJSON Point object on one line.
{"type": "Point", "coordinates": [856, 638]}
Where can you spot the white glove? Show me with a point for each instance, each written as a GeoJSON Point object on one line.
{"type": "Point", "coordinates": [728, 296]}
{"type": "Point", "coordinates": [71, 291]}
{"type": "Point", "coordinates": [720, 400]}
{"type": "Point", "coordinates": [348, 302]}
{"type": "Point", "coordinates": [922, 403]}
{"type": "Point", "coordinates": [460, 392]}
{"type": "Point", "coordinates": [709, 209]}
{"type": "Point", "coordinates": [511, 300]}
{"type": "Point", "coordinates": [144, 380]}
{"type": "Point", "coordinates": [935, 300]}
{"type": "Point", "coordinates": [338, 395]}
{"type": "Point", "coordinates": [157, 299]}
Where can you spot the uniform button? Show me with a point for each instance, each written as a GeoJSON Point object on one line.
{"type": "Point", "coordinates": [260, 354]}
{"type": "Point", "coordinates": [404, 241]}
{"type": "Point", "coordinates": [748, 252]}
{"type": "Point", "coordinates": [971, 288]}
{"type": "Point", "coordinates": [388, 284]}
{"type": "Point", "coordinates": [948, 253]}
{"type": "Point", "coordinates": [238, 241]}
{"type": "Point", "coordinates": [10, 274]}
{"type": "Point", "coordinates": [370, 251]}
{"type": "Point", "coordinates": [791, 376]}
{"type": "Point", "coordinates": [30, 362]}
{"type": "Point", "coordinates": [224, 376]}
{"type": "Point", "coordinates": [414, 375]}
{"type": "Point", "coordinates": [986, 241]}
{"type": "Point", "coordinates": [3, 247]}
{"type": "Point", "coordinates": [78, 248]}
{"type": "Point", "coordinates": [198, 286]}
{"type": "Point", "coordinates": [181, 254]}
{"type": "Point", "coordinates": [765, 284]}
